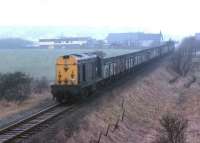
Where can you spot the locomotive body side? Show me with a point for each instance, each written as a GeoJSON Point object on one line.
{"type": "Point", "coordinates": [114, 66]}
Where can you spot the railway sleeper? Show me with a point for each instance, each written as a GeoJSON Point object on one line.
{"type": "Point", "coordinates": [28, 125]}
{"type": "Point", "coordinates": [7, 136]}
{"type": "Point", "coordinates": [14, 132]}
{"type": "Point", "coordinates": [18, 130]}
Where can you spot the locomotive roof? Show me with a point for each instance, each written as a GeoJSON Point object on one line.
{"type": "Point", "coordinates": [106, 53]}
{"type": "Point", "coordinates": [117, 53]}
{"type": "Point", "coordinates": [83, 56]}
{"type": "Point", "coordinates": [103, 54]}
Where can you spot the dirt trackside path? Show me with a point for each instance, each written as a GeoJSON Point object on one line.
{"type": "Point", "coordinates": [13, 111]}
{"type": "Point", "coordinates": [130, 112]}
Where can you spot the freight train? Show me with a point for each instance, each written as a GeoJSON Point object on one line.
{"type": "Point", "coordinates": [79, 74]}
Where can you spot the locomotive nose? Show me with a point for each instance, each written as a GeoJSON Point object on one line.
{"type": "Point", "coordinates": [66, 70]}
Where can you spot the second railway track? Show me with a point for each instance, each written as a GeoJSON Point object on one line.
{"type": "Point", "coordinates": [24, 128]}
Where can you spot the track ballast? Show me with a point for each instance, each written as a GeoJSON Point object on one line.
{"type": "Point", "coordinates": [28, 126]}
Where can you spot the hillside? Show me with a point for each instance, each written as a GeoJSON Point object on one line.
{"type": "Point", "coordinates": [142, 101]}
{"type": "Point", "coordinates": [14, 43]}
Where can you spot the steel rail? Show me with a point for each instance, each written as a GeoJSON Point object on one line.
{"type": "Point", "coordinates": [23, 128]}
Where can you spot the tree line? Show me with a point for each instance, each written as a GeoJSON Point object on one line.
{"type": "Point", "coordinates": [181, 61]}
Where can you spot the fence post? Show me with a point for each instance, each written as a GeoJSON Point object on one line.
{"type": "Point", "coordinates": [123, 113]}
{"type": "Point", "coordinates": [122, 103]}
{"type": "Point", "coordinates": [116, 125]}
{"type": "Point", "coordinates": [99, 139]}
{"type": "Point", "coordinates": [107, 130]}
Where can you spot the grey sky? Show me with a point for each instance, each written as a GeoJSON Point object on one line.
{"type": "Point", "coordinates": [175, 17]}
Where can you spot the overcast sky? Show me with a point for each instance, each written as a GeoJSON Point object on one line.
{"type": "Point", "coordinates": [176, 17]}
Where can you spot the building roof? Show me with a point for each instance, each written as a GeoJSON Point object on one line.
{"type": "Point", "coordinates": [58, 40]}
{"type": "Point", "coordinates": [137, 36]}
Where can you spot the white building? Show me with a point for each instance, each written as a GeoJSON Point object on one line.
{"type": "Point", "coordinates": [64, 42]}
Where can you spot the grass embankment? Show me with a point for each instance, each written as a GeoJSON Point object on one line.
{"type": "Point", "coordinates": [143, 100]}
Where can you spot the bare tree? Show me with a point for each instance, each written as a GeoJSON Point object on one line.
{"type": "Point", "coordinates": [181, 61]}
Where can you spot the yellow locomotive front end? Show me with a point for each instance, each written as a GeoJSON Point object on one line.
{"type": "Point", "coordinates": [66, 71]}
{"type": "Point", "coordinates": [76, 75]}
{"type": "Point", "coordinates": [66, 82]}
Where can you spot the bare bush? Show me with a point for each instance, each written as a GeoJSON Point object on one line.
{"type": "Point", "coordinates": [18, 86]}
{"type": "Point", "coordinates": [173, 129]}
{"type": "Point", "coordinates": [181, 61]}
{"type": "Point", "coordinates": [40, 85]}
{"type": "Point", "coordinates": [15, 86]}
{"type": "Point", "coordinates": [190, 82]}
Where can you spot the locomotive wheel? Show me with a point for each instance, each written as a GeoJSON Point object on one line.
{"type": "Point", "coordinates": [84, 92]}
{"type": "Point", "coordinates": [58, 99]}
{"type": "Point", "coordinates": [91, 90]}
{"type": "Point", "coordinates": [61, 99]}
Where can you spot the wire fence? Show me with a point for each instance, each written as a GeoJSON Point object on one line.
{"type": "Point", "coordinates": [111, 127]}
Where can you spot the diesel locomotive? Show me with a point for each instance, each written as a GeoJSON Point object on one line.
{"type": "Point", "coordinates": [79, 74]}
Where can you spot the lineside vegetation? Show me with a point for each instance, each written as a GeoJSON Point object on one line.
{"type": "Point", "coordinates": [173, 129]}
{"type": "Point", "coordinates": [181, 61]}
{"type": "Point", "coordinates": [18, 86]}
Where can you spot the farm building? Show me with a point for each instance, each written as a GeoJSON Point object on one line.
{"type": "Point", "coordinates": [137, 39]}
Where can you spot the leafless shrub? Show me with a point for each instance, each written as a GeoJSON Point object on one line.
{"type": "Point", "coordinates": [40, 85]}
{"type": "Point", "coordinates": [18, 86]}
{"type": "Point", "coordinates": [173, 129]}
{"type": "Point", "coordinates": [15, 86]}
{"type": "Point", "coordinates": [191, 81]}
{"type": "Point", "coordinates": [181, 61]}
{"type": "Point", "coordinates": [173, 80]}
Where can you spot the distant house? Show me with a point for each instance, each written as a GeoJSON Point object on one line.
{"type": "Point", "coordinates": [72, 42]}
{"type": "Point", "coordinates": [197, 36]}
{"type": "Point", "coordinates": [137, 39]}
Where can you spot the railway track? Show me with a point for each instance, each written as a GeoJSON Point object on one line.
{"type": "Point", "coordinates": [26, 127]}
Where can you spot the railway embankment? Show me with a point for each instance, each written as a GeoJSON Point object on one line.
{"type": "Point", "coordinates": [131, 111]}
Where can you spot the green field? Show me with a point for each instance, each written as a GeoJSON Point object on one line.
{"type": "Point", "coordinates": [41, 62]}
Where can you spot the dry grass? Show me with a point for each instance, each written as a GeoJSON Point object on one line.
{"type": "Point", "coordinates": [12, 107]}
{"type": "Point", "coordinates": [144, 102]}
